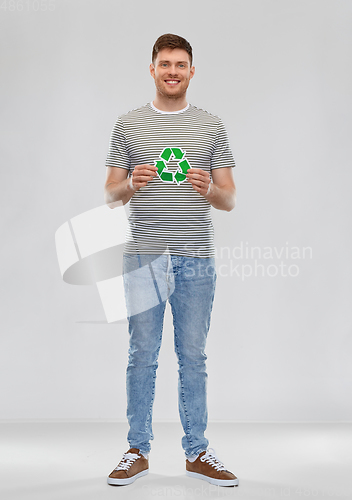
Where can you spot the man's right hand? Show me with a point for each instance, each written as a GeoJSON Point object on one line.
{"type": "Point", "coordinates": [142, 174]}
{"type": "Point", "coordinates": [119, 188]}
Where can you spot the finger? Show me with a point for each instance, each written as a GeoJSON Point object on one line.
{"type": "Point", "coordinates": [150, 168]}
{"type": "Point", "coordinates": [197, 170]}
{"type": "Point", "coordinates": [199, 189]}
{"type": "Point", "coordinates": [142, 178]}
{"type": "Point", "coordinates": [198, 174]}
{"type": "Point", "coordinates": [199, 182]}
{"type": "Point", "coordinates": [198, 178]}
{"type": "Point", "coordinates": [146, 168]}
{"type": "Point", "coordinates": [144, 172]}
{"type": "Point", "coordinates": [147, 173]}
{"type": "Point", "coordinates": [139, 184]}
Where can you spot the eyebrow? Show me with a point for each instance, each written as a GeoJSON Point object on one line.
{"type": "Point", "coordinates": [178, 62]}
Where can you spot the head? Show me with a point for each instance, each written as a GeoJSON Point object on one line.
{"type": "Point", "coordinates": [171, 42]}
{"type": "Point", "coordinates": [171, 66]}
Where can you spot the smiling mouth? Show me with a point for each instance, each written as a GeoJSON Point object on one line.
{"type": "Point", "coordinates": [172, 82]}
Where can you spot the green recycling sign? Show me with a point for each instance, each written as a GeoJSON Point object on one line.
{"type": "Point", "coordinates": [167, 175]}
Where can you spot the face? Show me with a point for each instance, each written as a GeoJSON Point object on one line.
{"type": "Point", "coordinates": [172, 72]}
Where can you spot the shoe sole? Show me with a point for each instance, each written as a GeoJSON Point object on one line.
{"type": "Point", "coordinates": [211, 480]}
{"type": "Point", "coordinates": [120, 482]}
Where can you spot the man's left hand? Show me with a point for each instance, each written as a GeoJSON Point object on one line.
{"type": "Point", "coordinates": [200, 180]}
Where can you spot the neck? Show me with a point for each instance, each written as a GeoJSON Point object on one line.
{"type": "Point", "coordinates": [167, 104]}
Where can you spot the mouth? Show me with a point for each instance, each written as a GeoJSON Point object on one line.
{"type": "Point", "coordinates": [172, 82]}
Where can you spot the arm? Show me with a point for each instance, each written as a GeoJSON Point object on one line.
{"type": "Point", "coordinates": [221, 193]}
{"type": "Point", "coordinates": [117, 187]}
{"type": "Point", "coordinates": [120, 189]}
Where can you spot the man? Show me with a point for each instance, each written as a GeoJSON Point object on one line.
{"type": "Point", "coordinates": [172, 161]}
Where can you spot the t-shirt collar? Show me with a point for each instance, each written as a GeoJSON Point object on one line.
{"type": "Point", "coordinates": [169, 112]}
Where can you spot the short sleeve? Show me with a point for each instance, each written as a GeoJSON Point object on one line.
{"type": "Point", "coordinates": [222, 154]}
{"type": "Point", "coordinates": [118, 154]}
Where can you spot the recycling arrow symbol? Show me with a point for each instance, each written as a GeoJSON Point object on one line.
{"type": "Point", "coordinates": [167, 175]}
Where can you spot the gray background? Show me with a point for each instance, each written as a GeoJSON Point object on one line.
{"type": "Point", "coordinates": [279, 75]}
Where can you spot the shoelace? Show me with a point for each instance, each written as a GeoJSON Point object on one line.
{"type": "Point", "coordinates": [212, 459]}
{"type": "Point", "coordinates": [127, 461]}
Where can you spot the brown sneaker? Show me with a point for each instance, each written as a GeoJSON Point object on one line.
{"type": "Point", "coordinates": [132, 466]}
{"type": "Point", "coordinates": [208, 467]}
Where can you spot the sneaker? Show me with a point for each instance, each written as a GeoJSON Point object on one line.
{"type": "Point", "coordinates": [132, 466]}
{"type": "Point", "coordinates": [208, 467]}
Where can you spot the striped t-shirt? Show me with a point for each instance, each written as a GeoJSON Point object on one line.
{"type": "Point", "coordinates": [168, 215]}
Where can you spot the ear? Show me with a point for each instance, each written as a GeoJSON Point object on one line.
{"type": "Point", "coordinates": [192, 71]}
{"type": "Point", "coordinates": [152, 70]}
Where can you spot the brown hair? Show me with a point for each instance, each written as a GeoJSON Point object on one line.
{"type": "Point", "coordinates": [169, 41]}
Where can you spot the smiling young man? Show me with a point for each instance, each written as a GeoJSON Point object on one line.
{"type": "Point", "coordinates": [172, 162]}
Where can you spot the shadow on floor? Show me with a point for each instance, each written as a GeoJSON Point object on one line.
{"type": "Point", "coordinates": [154, 486]}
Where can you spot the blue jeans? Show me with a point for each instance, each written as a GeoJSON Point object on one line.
{"type": "Point", "coordinates": [189, 285]}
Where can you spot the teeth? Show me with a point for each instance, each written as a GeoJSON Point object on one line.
{"type": "Point", "coordinates": [172, 81]}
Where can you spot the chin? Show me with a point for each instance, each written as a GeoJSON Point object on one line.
{"type": "Point", "coordinates": [171, 95]}
{"type": "Point", "coordinates": [175, 96]}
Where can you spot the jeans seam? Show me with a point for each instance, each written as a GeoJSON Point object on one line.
{"type": "Point", "coordinates": [188, 433]}
{"type": "Point", "coordinates": [148, 419]}
{"type": "Point", "coordinates": [149, 416]}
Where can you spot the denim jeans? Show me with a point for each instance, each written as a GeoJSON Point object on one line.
{"type": "Point", "coordinates": [189, 285]}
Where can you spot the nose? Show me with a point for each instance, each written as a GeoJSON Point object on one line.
{"type": "Point", "coordinates": [173, 69]}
